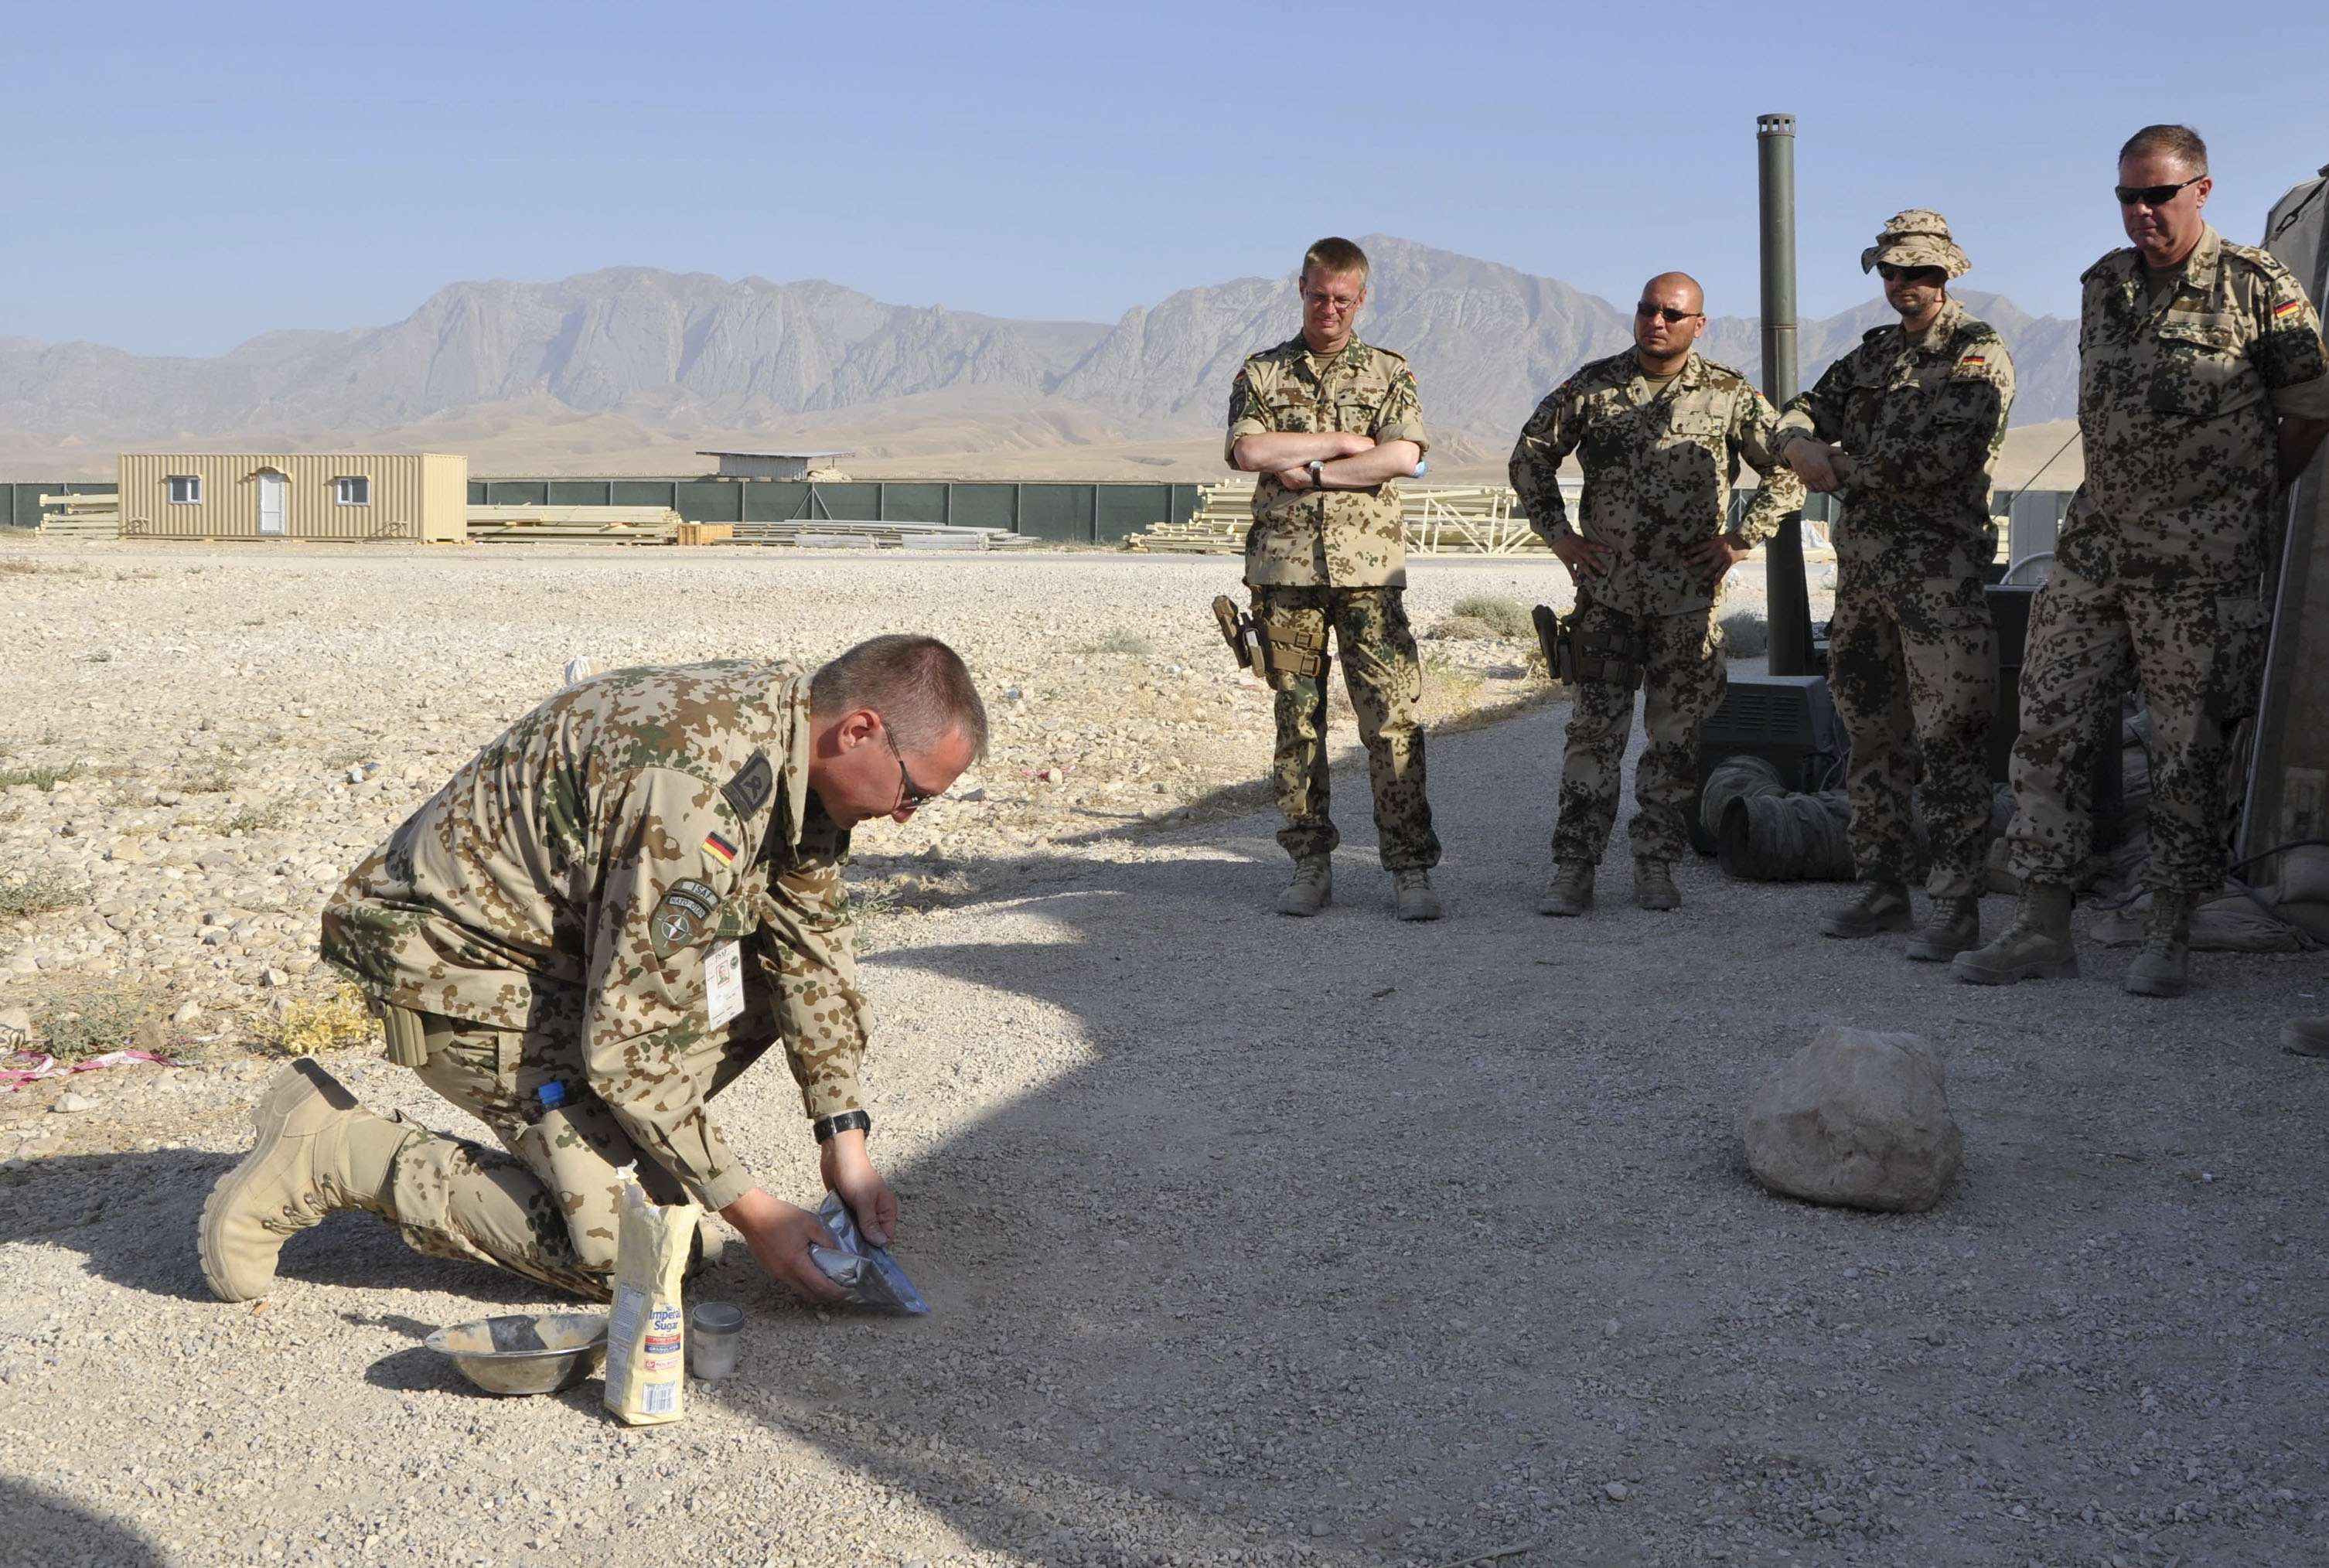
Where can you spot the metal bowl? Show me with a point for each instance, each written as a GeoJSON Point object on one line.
{"type": "Point", "coordinates": [526, 1353]}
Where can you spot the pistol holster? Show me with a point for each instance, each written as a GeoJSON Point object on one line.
{"type": "Point", "coordinates": [1280, 654]}
{"type": "Point", "coordinates": [1590, 656]}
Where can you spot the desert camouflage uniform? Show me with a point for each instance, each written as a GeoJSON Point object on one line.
{"type": "Point", "coordinates": [1913, 655]}
{"type": "Point", "coordinates": [1658, 470]}
{"type": "Point", "coordinates": [2159, 566]}
{"type": "Point", "coordinates": [550, 913]}
{"type": "Point", "coordinates": [1338, 558]}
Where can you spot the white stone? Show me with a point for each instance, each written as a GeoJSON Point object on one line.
{"type": "Point", "coordinates": [1856, 1117]}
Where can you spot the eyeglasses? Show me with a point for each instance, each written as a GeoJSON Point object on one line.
{"type": "Point", "coordinates": [1646, 310]}
{"type": "Point", "coordinates": [2151, 195]}
{"type": "Point", "coordinates": [912, 796]}
{"type": "Point", "coordinates": [1892, 274]}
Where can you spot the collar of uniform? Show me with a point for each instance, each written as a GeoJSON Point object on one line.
{"type": "Point", "coordinates": [792, 778]}
{"type": "Point", "coordinates": [2198, 269]}
{"type": "Point", "coordinates": [1943, 327]}
{"type": "Point", "coordinates": [1688, 378]}
{"type": "Point", "coordinates": [1352, 356]}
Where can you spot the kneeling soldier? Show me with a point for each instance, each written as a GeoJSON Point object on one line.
{"type": "Point", "coordinates": [599, 922]}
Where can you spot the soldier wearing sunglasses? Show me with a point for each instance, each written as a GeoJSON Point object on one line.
{"type": "Point", "coordinates": [2203, 388]}
{"type": "Point", "coordinates": [1660, 432]}
{"type": "Point", "coordinates": [1906, 426]}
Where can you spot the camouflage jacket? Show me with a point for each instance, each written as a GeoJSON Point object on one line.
{"type": "Point", "coordinates": [577, 873]}
{"type": "Point", "coordinates": [1325, 538]}
{"type": "Point", "coordinates": [1658, 472]}
{"type": "Point", "coordinates": [1922, 419]}
{"type": "Point", "coordinates": [2179, 406]}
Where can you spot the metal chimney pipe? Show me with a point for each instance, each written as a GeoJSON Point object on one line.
{"type": "Point", "coordinates": [1788, 593]}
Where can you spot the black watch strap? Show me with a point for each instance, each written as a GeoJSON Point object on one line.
{"type": "Point", "coordinates": [826, 1127]}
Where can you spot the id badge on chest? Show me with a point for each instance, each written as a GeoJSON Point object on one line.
{"type": "Point", "coordinates": [723, 983]}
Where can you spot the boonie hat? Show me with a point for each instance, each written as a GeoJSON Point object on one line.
{"type": "Point", "coordinates": [1919, 237]}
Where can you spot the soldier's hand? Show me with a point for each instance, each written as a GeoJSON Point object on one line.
{"type": "Point", "coordinates": [1295, 478]}
{"type": "Point", "coordinates": [1584, 559]}
{"type": "Point", "coordinates": [1718, 554]}
{"type": "Point", "coordinates": [780, 1236]}
{"type": "Point", "coordinates": [849, 1171]}
{"type": "Point", "coordinates": [1820, 465]}
{"type": "Point", "coordinates": [1352, 443]}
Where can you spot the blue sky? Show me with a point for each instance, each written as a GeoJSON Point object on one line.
{"type": "Point", "coordinates": [180, 178]}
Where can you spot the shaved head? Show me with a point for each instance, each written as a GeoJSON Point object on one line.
{"type": "Point", "coordinates": [1691, 298]}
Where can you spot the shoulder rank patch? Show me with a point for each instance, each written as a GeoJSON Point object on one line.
{"type": "Point", "coordinates": [750, 789]}
{"type": "Point", "coordinates": [682, 916]}
{"type": "Point", "coordinates": [719, 849]}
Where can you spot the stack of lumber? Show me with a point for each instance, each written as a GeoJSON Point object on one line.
{"type": "Point", "coordinates": [824, 533]}
{"type": "Point", "coordinates": [82, 516]}
{"type": "Point", "coordinates": [505, 524]}
{"type": "Point", "coordinates": [1446, 519]}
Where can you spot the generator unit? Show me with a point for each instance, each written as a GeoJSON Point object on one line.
{"type": "Point", "coordinates": [1789, 720]}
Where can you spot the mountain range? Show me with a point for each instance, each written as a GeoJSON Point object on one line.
{"type": "Point", "coordinates": [634, 354]}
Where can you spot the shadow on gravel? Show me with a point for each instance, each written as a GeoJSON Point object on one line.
{"type": "Point", "coordinates": [44, 1528]}
{"type": "Point", "coordinates": [1385, 1243]}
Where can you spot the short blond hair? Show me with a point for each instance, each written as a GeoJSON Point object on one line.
{"type": "Point", "coordinates": [1334, 254]}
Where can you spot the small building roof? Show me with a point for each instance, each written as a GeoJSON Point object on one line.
{"type": "Point", "coordinates": [846, 452]}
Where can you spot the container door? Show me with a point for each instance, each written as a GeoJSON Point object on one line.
{"type": "Point", "coordinates": [271, 488]}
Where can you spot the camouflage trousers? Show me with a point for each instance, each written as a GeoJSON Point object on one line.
{"type": "Point", "coordinates": [1384, 678]}
{"type": "Point", "coordinates": [544, 1203]}
{"type": "Point", "coordinates": [1913, 668]}
{"type": "Point", "coordinates": [1683, 680]}
{"type": "Point", "coordinates": [2197, 649]}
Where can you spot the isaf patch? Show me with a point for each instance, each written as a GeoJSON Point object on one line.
{"type": "Point", "coordinates": [681, 917]}
{"type": "Point", "coordinates": [750, 790]}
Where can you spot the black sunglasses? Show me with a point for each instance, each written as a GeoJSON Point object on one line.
{"type": "Point", "coordinates": [1645, 310]}
{"type": "Point", "coordinates": [912, 796]}
{"type": "Point", "coordinates": [1892, 274]}
{"type": "Point", "coordinates": [2151, 195]}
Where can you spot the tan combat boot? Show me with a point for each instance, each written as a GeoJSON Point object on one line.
{"type": "Point", "coordinates": [2307, 1037]}
{"type": "Point", "coordinates": [1312, 888]}
{"type": "Point", "coordinates": [1571, 893]}
{"type": "Point", "coordinates": [2036, 947]}
{"type": "Point", "coordinates": [1416, 902]}
{"type": "Point", "coordinates": [2163, 967]}
{"type": "Point", "coordinates": [1653, 884]}
{"type": "Point", "coordinates": [1879, 906]}
{"type": "Point", "coordinates": [1952, 927]}
{"type": "Point", "coordinates": [317, 1152]}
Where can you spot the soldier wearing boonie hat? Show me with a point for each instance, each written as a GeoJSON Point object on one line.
{"type": "Point", "coordinates": [1906, 428]}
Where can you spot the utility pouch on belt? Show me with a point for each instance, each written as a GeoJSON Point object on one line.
{"type": "Point", "coordinates": [1279, 655]}
{"type": "Point", "coordinates": [408, 1042]}
{"type": "Point", "coordinates": [1597, 656]}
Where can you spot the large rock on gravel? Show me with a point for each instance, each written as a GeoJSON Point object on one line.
{"type": "Point", "coordinates": [1856, 1117]}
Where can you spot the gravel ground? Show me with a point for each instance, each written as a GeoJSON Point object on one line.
{"type": "Point", "coordinates": [1251, 1239]}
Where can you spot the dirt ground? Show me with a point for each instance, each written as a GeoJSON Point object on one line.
{"type": "Point", "coordinates": [1250, 1240]}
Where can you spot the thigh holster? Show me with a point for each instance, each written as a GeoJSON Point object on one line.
{"type": "Point", "coordinates": [408, 1038]}
{"type": "Point", "coordinates": [1590, 656]}
{"type": "Point", "coordinates": [1279, 653]}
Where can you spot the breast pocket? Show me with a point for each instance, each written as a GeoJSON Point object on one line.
{"type": "Point", "coordinates": [1356, 414]}
{"type": "Point", "coordinates": [1293, 414]}
{"type": "Point", "coordinates": [2203, 372]}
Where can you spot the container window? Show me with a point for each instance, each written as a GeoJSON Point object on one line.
{"type": "Point", "coordinates": [351, 490]}
{"type": "Point", "coordinates": [186, 489]}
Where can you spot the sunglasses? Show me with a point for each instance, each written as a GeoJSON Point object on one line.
{"type": "Point", "coordinates": [1892, 274]}
{"type": "Point", "coordinates": [1646, 310]}
{"type": "Point", "coordinates": [2151, 195]}
{"type": "Point", "coordinates": [912, 796]}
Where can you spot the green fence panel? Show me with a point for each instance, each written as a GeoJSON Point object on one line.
{"type": "Point", "coordinates": [516, 493]}
{"type": "Point", "coordinates": [850, 503]}
{"type": "Point", "coordinates": [986, 507]}
{"type": "Point", "coordinates": [708, 500]}
{"type": "Point", "coordinates": [1123, 509]}
{"type": "Point", "coordinates": [577, 493]}
{"type": "Point", "coordinates": [1060, 512]}
{"type": "Point", "coordinates": [639, 492]}
{"type": "Point", "coordinates": [916, 500]}
{"type": "Point", "coordinates": [775, 500]}
{"type": "Point", "coordinates": [1186, 503]}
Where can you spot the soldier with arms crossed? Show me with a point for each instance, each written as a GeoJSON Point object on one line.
{"type": "Point", "coordinates": [1906, 426]}
{"type": "Point", "coordinates": [2202, 390]}
{"type": "Point", "coordinates": [1660, 432]}
{"type": "Point", "coordinates": [602, 921]}
{"type": "Point", "coordinates": [1330, 422]}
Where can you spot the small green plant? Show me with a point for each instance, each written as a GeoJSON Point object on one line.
{"type": "Point", "coordinates": [77, 1027]}
{"type": "Point", "coordinates": [1130, 644]}
{"type": "Point", "coordinates": [216, 778]}
{"type": "Point", "coordinates": [308, 1026]}
{"type": "Point", "coordinates": [1506, 615]}
{"type": "Point", "coordinates": [1745, 635]}
{"type": "Point", "coordinates": [257, 818]}
{"type": "Point", "coordinates": [41, 778]}
{"type": "Point", "coordinates": [1465, 628]}
{"type": "Point", "coordinates": [27, 894]}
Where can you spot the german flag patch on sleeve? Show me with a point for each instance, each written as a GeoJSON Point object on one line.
{"type": "Point", "coordinates": [719, 849]}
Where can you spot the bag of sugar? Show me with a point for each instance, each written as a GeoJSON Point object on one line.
{"type": "Point", "coordinates": [646, 1339]}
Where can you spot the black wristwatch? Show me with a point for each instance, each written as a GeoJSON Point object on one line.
{"type": "Point", "coordinates": [826, 1127]}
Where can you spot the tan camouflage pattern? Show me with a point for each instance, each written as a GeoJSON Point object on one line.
{"type": "Point", "coordinates": [566, 885]}
{"type": "Point", "coordinates": [1913, 655]}
{"type": "Point", "coordinates": [1659, 466]}
{"type": "Point", "coordinates": [2178, 404]}
{"type": "Point", "coordinates": [1919, 237]}
{"type": "Point", "coordinates": [1325, 538]}
{"type": "Point", "coordinates": [1912, 667]}
{"type": "Point", "coordinates": [1376, 648]}
{"type": "Point", "coordinates": [2198, 649]}
{"type": "Point", "coordinates": [1682, 681]}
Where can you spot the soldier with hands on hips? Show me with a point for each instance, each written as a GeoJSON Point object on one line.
{"type": "Point", "coordinates": [2203, 388]}
{"type": "Point", "coordinates": [1906, 428]}
{"type": "Point", "coordinates": [1331, 423]}
{"type": "Point", "coordinates": [596, 926]}
{"type": "Point", "coordinates": [1660, 432]}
